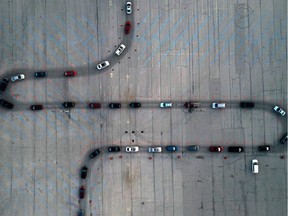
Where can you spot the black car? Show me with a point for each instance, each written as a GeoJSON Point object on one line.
{"type": "Point", "coordinates": [135, 105]}
{"type": "Point", "coordinates": [94, 153]}
{"type": "Point", "coordinates": [40, 74]}
{"type": "Point", "coordinates": [114, 105]}
{"type": "Point", "coordinates": [114, 149]}
{"type": "Point", "coordinates": [235, 149]}
{"type": "Point", "coordinates": [84, 171]}
{"type": "Point", "coordinates": [3, 84]}
{"type": "Point", "coordinates": [283, 140]}
{"type": "Point", "coordinates": [68, 104]}
{"type": "Point", "coordinates": [247, 104]}
{"type": "Point", "coordinates": [193, 148]}
{"type": "Point", "coordinates": [36, 107]}
{"type": "Point", "coordinates": [264, 148]}
{"type": "Point", "coordinates": [6, 104]}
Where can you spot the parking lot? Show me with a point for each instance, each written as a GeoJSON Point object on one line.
{"type": "Point", "coordinates": [177, 51]}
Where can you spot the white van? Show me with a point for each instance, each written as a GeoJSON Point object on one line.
{"type": "Point", "coordinates": [255, 166]}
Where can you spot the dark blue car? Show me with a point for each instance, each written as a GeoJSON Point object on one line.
{"type": "Point", "coordinates": [171, 148]}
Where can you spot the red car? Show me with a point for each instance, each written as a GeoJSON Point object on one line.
{"type": "Point", "coordinates": [70, 73]}
{"type": "Point", "coordinates": [82, 192]}
{"type": "Point", "coordinates": [216, 148]}
{"type": "Point", "coordinates": [95, 105]}
{"type": "Point", "coordinates": [127, 27]}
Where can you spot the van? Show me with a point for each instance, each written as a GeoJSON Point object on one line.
{"type": "Point", "coordinates": [255, 166]}
{"type": "Point", "coordinates": [247, 104]}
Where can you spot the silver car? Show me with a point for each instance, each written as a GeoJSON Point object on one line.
{"type": "Point", "coordinates": [129, 8]}
{"type": "Point", "coordinates": [279, 110]}
{"type": "Point", "coordinates": [18, 77]}
{"type": "Point", "coordinates": [218, 105]}
{"type": "Point", "coordinates": [155, 149]}
{"type": "Point", "coordinates": [166, 104]}
{"type": "Point", "coordinates": [120, 49]}
{"type": "Point", "coordinates": [132, 149]}
{"type": "Point", "coordinates": [103, 65]}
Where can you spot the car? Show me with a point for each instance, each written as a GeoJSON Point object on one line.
{"type": "Point", "coordinates": [4, 84]}
{"type": "Point", "coordinates": [247, 104]}
{"type": "Point", "coordinates": [128, 7]}
{"type": "Point", "coordinates": [155, 149]}
{"type": "Point", "coordinates": [255, 168]}
{"type": "Point", "coordinates": [70, 73]}
{"type": "Point", "coordinates": [84, 171]}
{"type": "Point", "coordinates": [40, 74]}
{"type": "Point", "coordinates": [18, 77]}
{"type": "Point", "coordinates": [114, 149]}
{"type": "Point", "coordinates": [68, 104]}
{"type": "Point", "coordinates": [166, 104]}
{"type": "Point", "coordinates": [94, 105]}
{"type": "Point", "coordinates": [135, 105]}
{"type": "Point", "coordinates": [132, 149]}
{"type": "Point", "coordinates": [264, 148]}
{"type": "Point", "coordinates": [82, 192]}
{"type": "Point", "coordinates": [81, 212]}
{"type": "Point", "coordinates": [284, 139]}
{"type": "Point", "coordinates": [171, 148]}
{"type": "Point", "coordinates": [235, 149]}
{"type": "Point", "coordinates": [103, 65]}
{"type": "Point", "coordinates": [127, 27]}
{"type": "Point", "coordinates": [6, 104]}
{"type": "Point", "coordinates": [216, 148]}
{"type": "Point", "coordinates": [193, 148]}
{"type": "Point", "coordinates": [94, 153]}
{"type": "Point", "coordinates": [218, 105]}
{"type": "Point", "coordinates": [120, 49]}
{"type": "Point", "coordinates": [36, 107]}
{"type": "Point", "coordinates": [191, 105]}
{"type": "Point", "coordinates": [279, 110]}
{"type": "Point", "coordinates": [114, 105]}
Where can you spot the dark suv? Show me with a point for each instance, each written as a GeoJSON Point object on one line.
{"type": "Point", "coordinates": [247, 104]}
{"type": "Point", "coordinates": [3, 84]}
{"type": "Point", "coordinates": [6, 104]}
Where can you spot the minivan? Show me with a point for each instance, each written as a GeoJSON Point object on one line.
{"type": "Point", "coordinates": [255, 166]}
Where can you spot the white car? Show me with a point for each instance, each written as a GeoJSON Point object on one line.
{"type": "Point", "coordinates": [218, 105]}
{"type": "Point", "coordinates": [18, 77]}
{"type": "Point", "coordinates": [279, 110]}
{"type": "Point", "coordinates": [255, 166]}
{"type": "Point", "coordinates": [120, 49]}
{"type": "Point", "coordinates": [155, 149]}
{"type": "Point", "coordinates": [132, 149]}
{"type": "Point", "coordinates": [166, 104]}
{"type": "Point", "coordinates": [103, 65]}
{"type": "Point", "coordinates": [129, 8]}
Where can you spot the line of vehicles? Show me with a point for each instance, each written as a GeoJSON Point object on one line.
{"type": "Point", "coordinates": [169, 148]}
{"type": "Point", "coordinates": [118, 52]}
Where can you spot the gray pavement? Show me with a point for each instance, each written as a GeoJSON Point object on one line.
{"type": "Point", "coordinates": [183, 50]}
